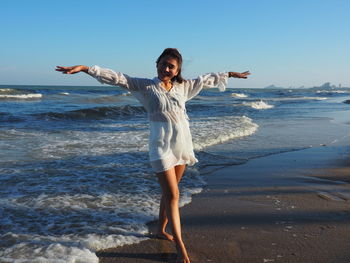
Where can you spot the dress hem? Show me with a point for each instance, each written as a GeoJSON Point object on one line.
{"type": "Point", "coordinates": [178, 162]}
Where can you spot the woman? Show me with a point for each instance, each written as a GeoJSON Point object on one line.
{"type": "Point", "coordinates": [170, 143]}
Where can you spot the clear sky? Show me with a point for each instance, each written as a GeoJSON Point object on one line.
{"type": "Point", "coordinates": [282, 42]}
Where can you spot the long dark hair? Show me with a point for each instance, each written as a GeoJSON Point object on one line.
{"type": "Point", "coordinates": [173, 53]}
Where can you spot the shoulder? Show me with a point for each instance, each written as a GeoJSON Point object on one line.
{"type": "Point", "coordinates": [185, 83]}
{"type": "Point", "coordinates": [140, 81]}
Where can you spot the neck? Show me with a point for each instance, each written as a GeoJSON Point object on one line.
{"type": "Point", "coordinates": [167, 84]}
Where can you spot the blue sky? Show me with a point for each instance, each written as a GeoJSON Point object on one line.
{"type": "Point", "coordinates": [285, 43]}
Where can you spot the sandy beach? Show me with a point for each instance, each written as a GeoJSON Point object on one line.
{"type": "Point", "coordinates": [288, 207]}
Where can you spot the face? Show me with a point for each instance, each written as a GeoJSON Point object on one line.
{"type": "Point", "coordinates": [167, 68]}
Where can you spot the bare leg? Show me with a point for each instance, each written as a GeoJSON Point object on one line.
{"type": "Point", "coordinates": [163, 219]}
{"type": "Point", "coordinates": [162, 222]}
{"type": "Point", "coordinates": [170, 189]}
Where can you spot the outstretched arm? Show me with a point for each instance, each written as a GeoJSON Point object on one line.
{"type": "Point", "coordinates": [73, 69]}
{"type": "Point", "coordinates": [242, 75]}
{"type": "Point", "coordinates": [107, 76]}
{"type": "Point", "coordinates": [211, 80]}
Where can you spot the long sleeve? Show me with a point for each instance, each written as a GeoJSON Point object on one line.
{"type": "Point", "coordinates": [210, 80]}
{"type": "Point", "coordinates": [108, 76]}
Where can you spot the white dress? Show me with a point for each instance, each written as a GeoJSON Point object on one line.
{"type": "Point", "coordinates": [170, 141]}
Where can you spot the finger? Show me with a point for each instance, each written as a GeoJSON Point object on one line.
{"type": "Point", "coordinates": [65, 68]}
{"type": "Point", "coordinates": [61, 68]}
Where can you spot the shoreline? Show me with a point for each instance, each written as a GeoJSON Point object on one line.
{"type": "Point", "coordinates": [286, 207]}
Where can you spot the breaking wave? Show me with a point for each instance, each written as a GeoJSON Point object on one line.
{"type": "Point", "coordinates": [259, 105]}
{"type": "Point", "coordinates": [14, 94]}
{"type": "Point", "coordinates": [238, 95]}
{"type": "Point", "coordinates": [95, 113]}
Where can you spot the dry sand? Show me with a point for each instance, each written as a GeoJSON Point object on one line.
{"type": "Point", "coordinates": [288, 207]}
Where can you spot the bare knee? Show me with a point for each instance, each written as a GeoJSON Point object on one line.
{"type": "Point", "coordinates": [172, 196]}
{"type": "Point", "coordinates": [169, 184]}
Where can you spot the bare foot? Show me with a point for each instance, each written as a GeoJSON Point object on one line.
{"type": "Point", "coordinates": [165, 235]}
{"type": "Point", "coordinates": [182, 256]}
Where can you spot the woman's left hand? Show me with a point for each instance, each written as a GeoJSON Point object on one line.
{"type": "Point", "coordinates": [242, 75]}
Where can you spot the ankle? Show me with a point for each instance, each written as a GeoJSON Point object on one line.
{"type": "Point", "coordinates": [180, 246]}
{"type": "Point", "coordinates": [161, 230]}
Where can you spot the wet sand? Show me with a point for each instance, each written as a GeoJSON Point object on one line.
{"type": "Point", "coordinates": [288, 207]}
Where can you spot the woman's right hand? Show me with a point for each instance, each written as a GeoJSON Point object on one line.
{"type": "Point", "coordinates": [238, 75]}
{"type": "Point", "coordinates": [73, 69]}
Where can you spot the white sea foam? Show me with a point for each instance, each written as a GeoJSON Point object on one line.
{"type": "Point", "coordinates": [7, 90]}
{"type": "Point", "coordinates": [64, 93]}
{"type": "Point", "coordinates": [95, 143]}
{"type": "Point", "coordinates": [7, 93]}
{"type": "Point", "coordinates": [333, 91]}
{"type": "Point", "coordinates": [25, 252]}
{"type": "Point", "coordinates": [21, 96]}
{"type": "Point", "coordinates": [86, 224]}
{"type": "Point", "coordinates": [211, 131]}
{"type": "Point", "coordinates": [239, 95]}
{"type": "Point", "coordinates": [60, 249]}
{"type": "Point", "coordinates": [259, 105]}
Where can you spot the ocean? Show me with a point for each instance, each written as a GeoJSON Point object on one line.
{"type": "Point", "coordinates": [74, 171]}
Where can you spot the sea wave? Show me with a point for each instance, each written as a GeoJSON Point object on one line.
{"type": "Point", "coordinates": [220, 130]}
{"type": "Point", "coordinates": [8, 117]}
{"type": "Point", "coordinates": [298, 98]}
{"type": "Point", "coordinates": [239, 95]}
{"type": "Point", "coordinates": [259, 105]}
{"type": "Point", "coordinates": [21, 96]}
{"type": "Point", "coordinates": [15, 94]}
{"type": "Point", "coordinates": [95, 113]}
{"type": "Point", "coordinates": [347, 101]}
{"type": "Point", "coordinates": [6, 90]}
{"type": "Point", "coordinates": [333, 91]}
